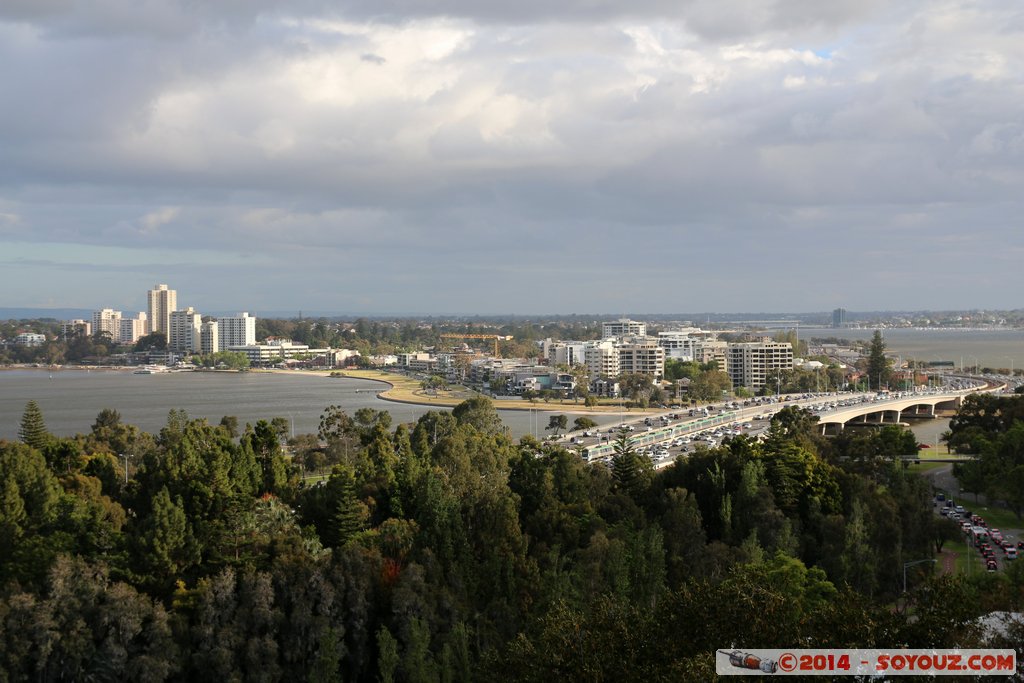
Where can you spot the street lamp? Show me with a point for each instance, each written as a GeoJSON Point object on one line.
{"type": "Point", "coordinates": [911, 564]}
{"type": "Point", "coordinates": [126, 456]}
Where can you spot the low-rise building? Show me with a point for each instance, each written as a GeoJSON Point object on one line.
{"type": "Point", "coordinates": [564, 352]}
{"type": "Point", "coordinates": [30, 339]}
{"type": "Point", "coordinates": [276, 351]}
{"type": "Point", "coordinates": [623, 327]}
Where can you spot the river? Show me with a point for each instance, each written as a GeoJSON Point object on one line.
{"type": "Point", "coordinates": [71, 399]}
{"type": "Point", "coordinates": [994, 348]}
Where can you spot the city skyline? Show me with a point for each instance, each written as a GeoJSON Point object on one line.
{"type": "Point", "coordinates": [475, 158]}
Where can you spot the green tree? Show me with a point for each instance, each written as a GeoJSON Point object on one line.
{"type": "Point", "coordinates": [710, 386]}
{"type": "Point", "coordinates": [630, 470]}
{"type": "Point", "coordinates": [230, 423]}
{"type": "Point", "coordinates": [387, 658]}
{"type": "Point", "coordinates": [558, 423]}
{"type": "Point", "coordinates": [33, 429]}
{"type": "Point", "coordinates": [583, 422]}
{"type": "Point", "coordinates": [479, 412]}
{"type": "Point", "coordinates": [349, 512]}
{"type": "Point", "coordinates": [636, 386]}
{"type": "Point", "coordinates": [167, 545]}
{"type": "Point", "coordinates": [878, 365]}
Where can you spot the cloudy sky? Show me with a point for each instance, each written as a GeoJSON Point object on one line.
{"type": "Point", "coordinates": [527, 156]}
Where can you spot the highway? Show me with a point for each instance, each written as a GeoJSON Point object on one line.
{"type": "Point", "coordinates": [675, 432]}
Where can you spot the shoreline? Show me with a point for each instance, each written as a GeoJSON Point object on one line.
{"type": "Point", "coordinates": [403, 389]}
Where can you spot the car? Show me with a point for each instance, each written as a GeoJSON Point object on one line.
{"type": "Point", "coordinates": [1011, 552]}
{"type": "Point", "coordinates": [941, 497]}
{"type": "Point", "coordinates": [991, 566]}
{"type": "Point", "coordinates": [959, 509]}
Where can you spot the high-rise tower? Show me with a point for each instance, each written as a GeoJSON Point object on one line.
{"type": "Point", "coordinates": [162, 302]}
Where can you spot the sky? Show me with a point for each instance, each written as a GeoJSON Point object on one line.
{"type": "Point", "coordinates": [496, 157]}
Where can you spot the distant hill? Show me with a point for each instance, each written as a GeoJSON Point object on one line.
{"type": "Point", "coordinates": [40, 313]}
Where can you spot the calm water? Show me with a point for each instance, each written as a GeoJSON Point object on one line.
{"type": "Point", "coordinates": [71, 399]}
{"type": "Point", "coordinates": [987, 348]}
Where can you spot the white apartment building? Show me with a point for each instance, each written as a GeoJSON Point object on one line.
{"type": "Point", "coordinates": [623, 327]}
{"type": "Point", "coordinates": [681, 344]}
{"type": "Point", "coordinates": [30, 339]}
{"type": "Point", "coordinates": [602, 359]}
{"type": "Point", "coordinates": [262, 354]}
{"type": "Point", "coordinates": [209, 337]}
{"type": "Point", "coordinates": [162, 302]}
{"type": "Point", "coordinates": [748, 363]}
{"type": "Point", "coordinates": [132, 329]}
{"type": "Point", "coordinates": [239, 330]}
{"type": "Point", "coordinates": [184, 332]}
{"type": "Point", "coordinates": [564, 352]}
{"type": "Point", "coordinates": [409, 359]}
{"type": "Point", "coordinates": [107, 320]}
{"type": "Point", "coordinates": [642, 357]}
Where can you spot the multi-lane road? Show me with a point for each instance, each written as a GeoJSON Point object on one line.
{"type": "Point", "coordinates": [666, 435]}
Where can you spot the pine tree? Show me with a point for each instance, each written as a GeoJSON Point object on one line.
{"type": "Point", "coordinates": [629, 469]}
{"type": "Point", "coordinates": [166, 541]}
{"type": "Point", "coordinates": [33, 429]}
{"type": "Point", "coordinates": [388, 660]}
{"type": "Point", "coordinates": [349, 512]}
{"type": "Point", "coordinates": [878, 364]}
{"type": "Point", "coordinates": [12, 515]}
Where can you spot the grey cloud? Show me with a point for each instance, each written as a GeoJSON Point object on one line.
{"type": "Point", "coordinates": [586, 162]}
{"type": "Point", "coordinates": [168, 19]}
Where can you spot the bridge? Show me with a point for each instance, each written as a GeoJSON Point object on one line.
{"type": "Point", "coordinates": [910, 405]}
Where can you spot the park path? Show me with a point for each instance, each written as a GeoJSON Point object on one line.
{"type": "Point", "coordinates": [948, 563]}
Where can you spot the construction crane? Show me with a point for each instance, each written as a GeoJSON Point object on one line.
{"type": "Point", "coordinates": [494, 337]}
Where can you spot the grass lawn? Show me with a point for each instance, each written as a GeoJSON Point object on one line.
{"type": "Point", "coordinates": [925, 467]}
{"type": "Point", "coordinates": [410, 390]}
{"type": "Point", "coordinates": [965, 555]}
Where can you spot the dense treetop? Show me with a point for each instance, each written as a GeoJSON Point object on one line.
{"type": "Point", "coordinates": [444, 551]}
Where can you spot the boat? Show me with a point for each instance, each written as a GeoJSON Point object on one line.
{"type": "Point", "coordinates": [150, 370]}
